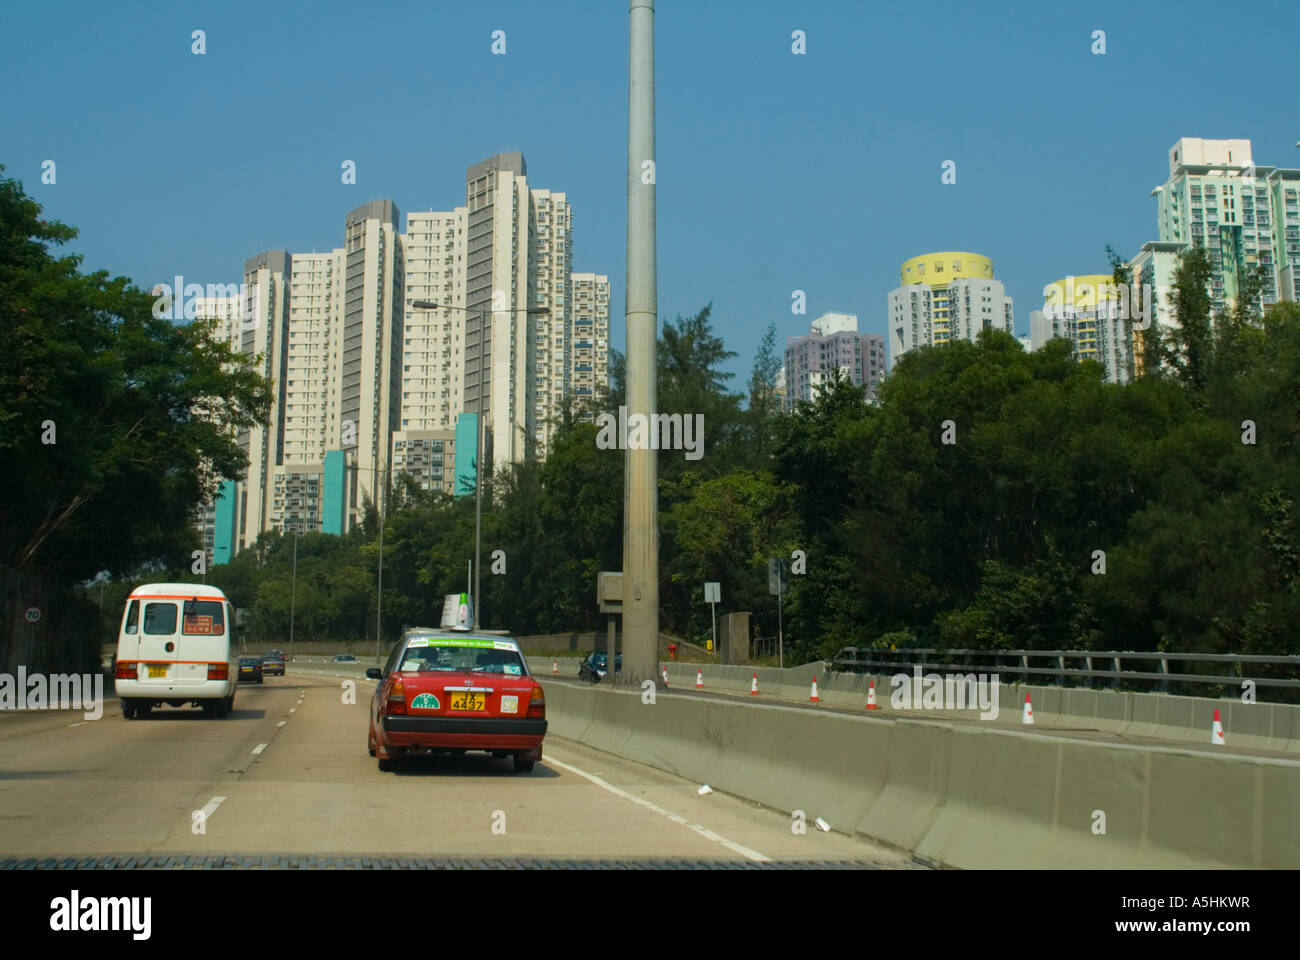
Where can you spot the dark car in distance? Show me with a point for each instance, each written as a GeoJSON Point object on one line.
{"type": "Point", "coordinates": [273, 665]}
{"type": "Point", "coordinates": [596, 666]}
{"type": "Point", "coordinates": [345, 658]}
{"type": "Point", "coordinates": [250, 668]}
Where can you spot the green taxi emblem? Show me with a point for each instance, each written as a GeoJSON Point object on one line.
{"type": "Point", "coordinates": [426, 701]}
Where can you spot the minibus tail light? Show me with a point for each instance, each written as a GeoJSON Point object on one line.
{"type": "Point", "coordinates": [218, 671]}
{"type": "Point", "coordinates": [127, 670]}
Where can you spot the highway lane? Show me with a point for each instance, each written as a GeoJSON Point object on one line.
{"type": "Point", "coordinates": [288, 772]}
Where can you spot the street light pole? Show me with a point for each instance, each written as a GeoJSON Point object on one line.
{"type": "Point", "coordinates": [640, 484]}
{"type": "Point", "coordinates": [483, 316]}
{"type": "Point", "coordinates": [293, 597]}
{"type": "Point", "coordinates": [478, 474]}
{"type": "Point", "coordinates": [379, 509]}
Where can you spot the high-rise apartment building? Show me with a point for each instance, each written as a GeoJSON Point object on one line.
{"type": "Point", "coordinates": [433, 347]}
{"type": "Point", "coordinates": [371, 351]}
{"type": "Point", "coordinates": [1243, 215]}
{"type": "Point", "coordinates": [366, 386]}
{"type": "Point", "coordinates": [265, 335]}
{"type": "Point", "coordinates": [501, 281]}
{"type": "Point", "coordinates": [507, 251]}
{"type": "Point", "coordinates": [1212, 191]}
{"type": "Point", "coordinates": [833, 344]}
{"type": "Point", "coordinates": [944, 297]}
{"type": "Point", "coordinates": [1083, 310]}
{"type": "Point", "coordinates": [1284, 192]}
{"type": "Point", "coordinates": [589, 364]}
{"type": "Point", "coordinates": [313, 374]}
{"type": "Point", "coordinates": [552, 344]}
{"type": "Point", "coordinates": [215, 520]}
{"type": "Point", "coordinates": [1153, 270]}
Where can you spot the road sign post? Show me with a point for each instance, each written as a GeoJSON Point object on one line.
{"type": "Point", "coordinates": [777, 583]}
{"type": "Point", "coordinates": [713, 596]}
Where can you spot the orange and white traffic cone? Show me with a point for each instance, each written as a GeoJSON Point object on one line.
{"type": "Point", "coordinates": [871, 697]}
{"type": "Point", "coordinates": [812, 697]}
{"type": "Point", "coordinates": [1216, 731]}
{"type": "Point", "coordinates": [1028, 715]}
{"type": "Point", "coordinates": [665, 672]}
{"type": "Point", "coordinates": [753, 686]}
{"type": "Point", "coordinates": [555, 666]}
{"type": "Point", "coordinates": [699, 679]}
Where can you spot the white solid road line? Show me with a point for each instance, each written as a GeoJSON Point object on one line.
{"type": "Point", "coordinates": [282, 723]}
{"type": "Point", "coordinates": [258, 749]}
{"type": "Point", "coordinates": [211, 807]}
{"type": "Point", "coordinates": [705, 832]}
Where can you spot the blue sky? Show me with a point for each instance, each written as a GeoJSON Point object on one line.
{"type": "Point", "coordinates": [776, 172]}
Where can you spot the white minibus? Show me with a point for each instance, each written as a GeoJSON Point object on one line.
{"type": "Point", "coordinates": [176, 646]}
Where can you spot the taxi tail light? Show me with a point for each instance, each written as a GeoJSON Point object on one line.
{"type": "Point", "coordinates": [397, 698]}
{"type": "Point", "coordinates": [537, 703]}
{"type": "Point", "coordinates": [218, 671]}
{"type": "Point", "coordinates": [128, 670]}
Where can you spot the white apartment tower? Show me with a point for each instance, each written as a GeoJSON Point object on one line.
{"type": "Point", "coordinates": [371, 348]}
{"type": "Point", "coordinates": [589, 369]}
{"type": "Point", "coordinates": [944, 297]}
{"type": "Point", "coordinates": [355, 368]}
{"type": "Point", "coordinates": [554, 334]}
{"type": "Point", "coordinates": [500, 276]}
{"type": "Point", "coordinates": [264, 334]}
{"type": "Point", "coordinates": [227, 311]}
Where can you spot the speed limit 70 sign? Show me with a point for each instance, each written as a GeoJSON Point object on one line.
{"type": "Point", "coordinates": [32, 614]}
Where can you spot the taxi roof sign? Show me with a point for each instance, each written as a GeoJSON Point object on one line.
{"type": "Point", "coordinates": [456, 612]}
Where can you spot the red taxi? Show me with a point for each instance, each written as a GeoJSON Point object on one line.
{"type": "Point", "coordinates": [445, 691]}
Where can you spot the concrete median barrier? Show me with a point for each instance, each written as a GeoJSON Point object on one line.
{"type": "Point", "coordinates": [963, 794]}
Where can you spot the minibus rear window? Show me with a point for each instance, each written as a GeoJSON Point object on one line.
{"type": "Point", "coordinates": [160, 618]}
{"type": "Point", "coordinates": [204, 618]}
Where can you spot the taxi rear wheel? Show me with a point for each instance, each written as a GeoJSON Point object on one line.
{"type": "Point", "coordinates": [387, 764]}
{"type": "Point", "coordinates": [523, 766]}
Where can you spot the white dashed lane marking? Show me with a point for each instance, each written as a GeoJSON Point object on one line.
{"type": "Point", "coordinates": [705, 832]}
{"type": "Point", "coordinates": [211, 807]}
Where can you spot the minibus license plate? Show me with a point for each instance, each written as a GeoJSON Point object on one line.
{"type": "Point", "coordinates": [469, 701]}
{"type": "Point", "coordinates": [157, 669]}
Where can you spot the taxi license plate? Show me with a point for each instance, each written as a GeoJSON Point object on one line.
{"type": "Point", "coordinates": [157, 669]}
{"type": "Point", "coordinates": [469, 701]}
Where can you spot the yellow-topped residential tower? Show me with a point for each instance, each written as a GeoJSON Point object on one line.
{"type": "Point", "coordinates": [945, 296]}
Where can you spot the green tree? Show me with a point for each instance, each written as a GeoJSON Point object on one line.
{"type": "Point", "coordinates": [113, 424]}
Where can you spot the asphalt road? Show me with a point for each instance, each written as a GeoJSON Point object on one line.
{"type": "Point", "coordinates": [288, 772]}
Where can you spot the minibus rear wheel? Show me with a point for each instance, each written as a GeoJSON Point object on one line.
{"type": "Point", "coordinates": [128, 709]}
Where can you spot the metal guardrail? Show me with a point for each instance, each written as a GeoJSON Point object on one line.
{"type": "Point", "coordinates": [867, 660]}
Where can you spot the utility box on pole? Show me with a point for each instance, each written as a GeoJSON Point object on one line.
{"type": "Point", "coordinates": [609, 591]}
{"type": "Point", "coordinates": [609, 598]}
